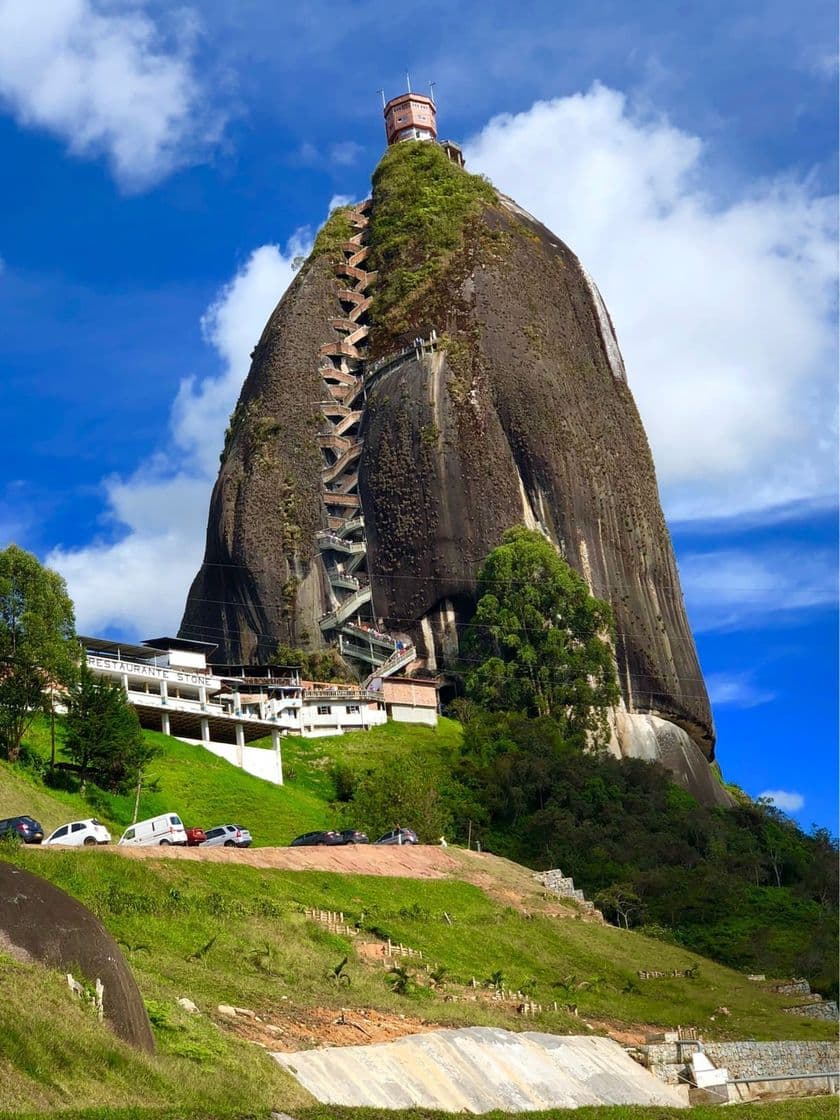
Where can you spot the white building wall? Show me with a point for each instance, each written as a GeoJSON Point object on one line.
{"type": "Point", "coordinates": [260, 761]}
{"type": "Point", "coordinates": [407, 713]}
{"type": "Point", "coordinates": [339, 719]}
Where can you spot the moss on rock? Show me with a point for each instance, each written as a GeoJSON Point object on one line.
{"type": "Point", "coordinates": [423, 205]}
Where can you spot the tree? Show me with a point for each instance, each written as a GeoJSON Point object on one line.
{"type": "Point", "coordinates": [104, 738]}
{"type": "Point", "coordinates": [539, 643]}
{"type": "Point", "coordinates": [405, 791]}
{"type": "Point", "coordinates": [38, 648]}
{"type": "Point", "coordinates": [621, 900]}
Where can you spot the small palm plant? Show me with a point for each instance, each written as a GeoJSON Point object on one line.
{"type": "Point", "coordinates": [338, 974]}
{"type": "Point", "coordinates": [495, 980]}
{"type": "Point", "coordinates": [401, 980]}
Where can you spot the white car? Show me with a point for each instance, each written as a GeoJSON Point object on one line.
{"type": "Point", "coordinates": [79, 833]}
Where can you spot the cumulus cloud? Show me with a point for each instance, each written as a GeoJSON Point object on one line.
{"type": "Point", "coordinates": [736, 690]}
{"type": "Point", "coordinates": [786, 800]}
{"type": "Point", "coordinates": [106, 79]}
{"type": "Point", "coordinates": [724, 308]}
{"type": "Point", "coordinates": [728, 589]}
{"type": "Point", "coordinates": [138, 583]}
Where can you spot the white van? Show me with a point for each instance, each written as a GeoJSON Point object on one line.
{"type": "Point", "coordinates": [165, 829]}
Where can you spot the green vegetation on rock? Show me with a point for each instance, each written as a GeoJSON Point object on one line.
{"type": "Point", "coordinates": [422, 206]}
{"type": "Point", "coordinates": [333, 233]}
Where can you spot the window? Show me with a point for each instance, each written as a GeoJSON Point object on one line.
{"type": "Point", "coordinates": [175, 820]}
{"type": "Point", "coordinates": [215, 832]}
{"type": "Point", "coordinates": [60, 832]}
{"type": "Point", "coordinates": [353, 709]}
{"type": "Point", "coordinates": [129, 835]}
{"type": "Point", "coordinates": [324, 710]}
{"type": "Point", "coordinates": [77, 827]}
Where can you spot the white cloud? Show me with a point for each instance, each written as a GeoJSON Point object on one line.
{"type": "Point", "coordinates": [104, 78]}
{"type": "Point", "coordinates": [345, 153]}
{"type": "Point", "coordinates": [728, 589]}
{"type": "Point", "coordinates": [724, 309]}
{"type": "Point", "coordinates": [786, 800]}
{"type": "Point", "coordinates": [138, 583]}
{"type": "Point", "coordinates": [736, 690]}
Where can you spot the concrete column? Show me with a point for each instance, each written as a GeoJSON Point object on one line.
{"type": "Point", "coordinates": [275, 740]}
{"type": "Point", "coordinates": [205, 731]}
{"type": "Point", "coordinates": [125, 683]}
{"type": "Point", "coordinates": [164, 692]}
{"type": "Point", "coordinates": [240, 745]}
{"type": "Point", "coordinates": [202, 696]}
{"type": "Point", "coordinates": [164, 723]}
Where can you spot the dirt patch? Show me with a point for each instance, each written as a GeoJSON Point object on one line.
{"type": "Point", "coordinates": [302, 1028]}
{"type": "Point", "coordinates": [628, 1034]}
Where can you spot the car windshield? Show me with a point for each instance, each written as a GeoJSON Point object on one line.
{"type": "Point", "coordinates": [175, 820]}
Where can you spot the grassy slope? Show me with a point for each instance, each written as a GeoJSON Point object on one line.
{"type": "Point", "coordinates": [203, 789]}
{"type": "Point", "coordinates": [266, 949]}
{"type": "Point", "coordinates": [206, 790]}
{"type": "Point", "coordinates": [60, 1057]}
{"type": "Point", "coordinates": [823, 1108]}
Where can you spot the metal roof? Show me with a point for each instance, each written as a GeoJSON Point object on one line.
{"type": "Point", "coordinates": [180, 643]}
{"type": "Point", "coordinates": [131, 650]}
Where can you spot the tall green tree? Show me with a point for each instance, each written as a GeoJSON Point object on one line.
{"type": "Point", "coordinates": [539, 643]}
{"type": "Point", "coordinates": [38, 649]}
{"type": "Point", "coordinates": [103, 735]}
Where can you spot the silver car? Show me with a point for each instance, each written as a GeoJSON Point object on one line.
{"type": "Point", "coordinates": [227, 835]}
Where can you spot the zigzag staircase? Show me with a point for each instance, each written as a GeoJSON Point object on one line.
{"type": "Point", "coordinates": [343, 547]}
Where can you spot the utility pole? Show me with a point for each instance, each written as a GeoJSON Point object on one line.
{"type": "Point", "coordinates": [137, 797]}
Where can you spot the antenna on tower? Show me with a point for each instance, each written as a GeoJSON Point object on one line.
{"type": "Point", "coordinates": [432, 92]}
{"type": "Point", "coordinates": [407, 82]}
{"type": "Point", "coordinates": [381, 92]}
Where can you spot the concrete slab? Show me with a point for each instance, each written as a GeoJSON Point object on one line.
{"type": "Point", "coordinates": [478, 1069]}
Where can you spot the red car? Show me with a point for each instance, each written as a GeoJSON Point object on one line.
{"type": "Point", "coordinates": [195, 836]}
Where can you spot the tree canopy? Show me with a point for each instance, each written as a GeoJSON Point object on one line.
{"type": "Point", "coordinates": [103, 734]}
{"type": "Point", "coordinates": [539, 642]}
{"type": "Point", "coordinates": [38, 647]}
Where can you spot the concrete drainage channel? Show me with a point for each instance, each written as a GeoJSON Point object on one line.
{"type": "Point", "coordinates": [478, 1069]}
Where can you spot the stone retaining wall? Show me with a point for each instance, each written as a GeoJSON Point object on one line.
{"type": "Point", "coordinates": [743, 1059]}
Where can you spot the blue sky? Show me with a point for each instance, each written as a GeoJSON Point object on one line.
{"type": "Point", "coordinates": [163, 165]}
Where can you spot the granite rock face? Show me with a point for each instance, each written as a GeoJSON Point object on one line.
{"type": "Point", "coordinates": [40, 922]}
{"type": "Point", "coordinates": [261, 582]}
{"type": "Point", "coordinates": [521, 415]}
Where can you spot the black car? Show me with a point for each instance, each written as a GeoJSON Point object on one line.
{"type": "Point", "coordinates": [308, 839]}
{"type": "Point", "coordinates": [25, 829]}
{"type": "Point", "coordinates": [353, 836]}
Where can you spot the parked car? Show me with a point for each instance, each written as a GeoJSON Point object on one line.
{"type": "Point", "coordinates": [229, 835]}
{"type": "Point", "coordinates": [195, 836]}
{"type": "Point", "coordinates": [398, 836]}
{"type": "Point", "coordinates": [329, 837]}
{"type": "Point", "coordinates": [77, 833]}
{"type": "Point", "coordinates": [164, 830]}
{"type": "Point", "coordinates": [25, 829]}
{"type": "Point", "coordinates": [353, 836]}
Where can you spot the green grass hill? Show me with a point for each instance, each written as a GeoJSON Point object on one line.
{"type": "Point", "coordinates": [219, 932]}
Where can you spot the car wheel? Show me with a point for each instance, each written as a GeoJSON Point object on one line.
{"type": "Point", "coordinates": [229, 844]}
{"type": "Point", "coordinates": [88, 840]}
{"type": "Point", "coordinates": [165, 843]}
